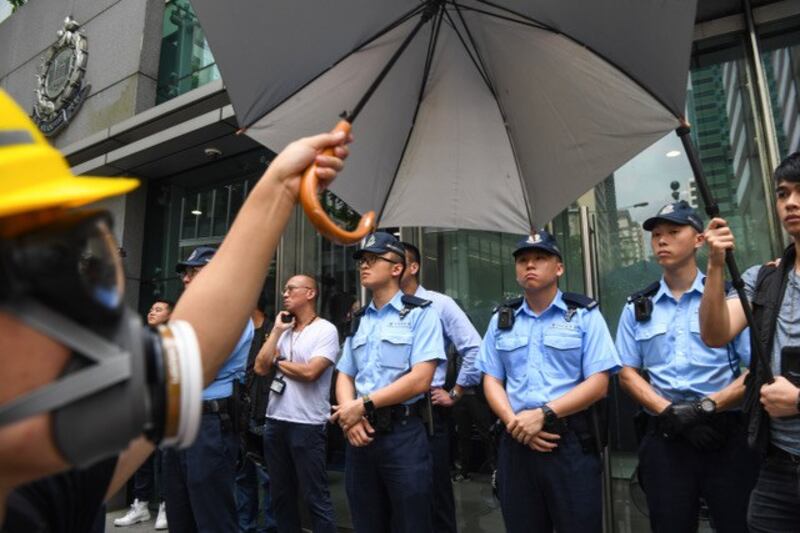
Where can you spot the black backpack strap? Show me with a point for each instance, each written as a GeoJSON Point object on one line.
{"type": "Point", "coordinates": [410, 302]}
{"type": "Point", "coordinates": [577, 301]}
{"type": "Point", "coordinates": [506, 313]}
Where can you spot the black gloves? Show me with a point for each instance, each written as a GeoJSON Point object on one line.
{"type": "Point", "coordinates": [679, 416]}
{"type": "Point", "coordinates": [691, 420]}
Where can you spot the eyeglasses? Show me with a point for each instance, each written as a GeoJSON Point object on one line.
{"type": "Point", "coordinates": [290, 288]}
{"type": "Point", "coordinates": [369, 260]}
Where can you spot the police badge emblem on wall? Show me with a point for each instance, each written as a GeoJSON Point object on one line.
{"type": "Point", "coordinates": [60, 91]}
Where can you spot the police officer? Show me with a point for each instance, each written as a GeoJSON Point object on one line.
{"type": "Point", "coordinates": [693, 441]}
{"type": "Point", "coordinates": [461, 334]}
{"type": "Point", "coordinates": [200, 480]}
{"type": "Point", "coordinates": [546, 360]}
{"type": "Point", "coordinates": [387, 365]}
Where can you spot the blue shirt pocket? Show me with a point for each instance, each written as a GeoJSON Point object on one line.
{"type": "Point", "coordinates": [358, 346]}
{"type": "Point", "coordinates": [563, 355]}
{"type": "Point", "coordinates": [513, 353]}
{"type": "Point", "coordinates": [396, 350]}
{"type": "Point", "coordinates": [653, 343]}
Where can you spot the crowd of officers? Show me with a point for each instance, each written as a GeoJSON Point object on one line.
{"type": "Point", "coordinates": [544, 364]}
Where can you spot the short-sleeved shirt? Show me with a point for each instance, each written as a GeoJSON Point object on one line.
{"type": "Point", "coordinates": [542, 357]}
{"type": "Point", "coordinates": [458, 331]}
{"type": "Point", "coordinates": [306, 402]}
{"type": "Point", "coordinates": [681, 366]}
{"type": "Point", "coordinates": [386, 346]}
{"type": "Point", "coordinates": [63, 503]}
{"type": "Point", "coordinates": [784, 432]}
{"type": "Point", "coordinates": [233, 368]}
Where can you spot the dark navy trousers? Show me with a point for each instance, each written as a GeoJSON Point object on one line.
{"type": "Point", "coordinates": [150, 473]}
{"type": "Point", "coordinates": [249, 477]}
{"type": "Point", "coordinates": [200, 481]}
{"type": "Point", "coordinates": [444, 506]}
{"type": "Point", "coordinates": [540, 492]}
{"type": "Point", "coordinates": [296, 460]}
{"type": "Point", "coordinates": [674, 475]}
{"type": "Point", "coordinates": [389, 481]}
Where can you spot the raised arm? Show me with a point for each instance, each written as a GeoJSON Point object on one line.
{"type": "Point", "coordinates": [721, 319]}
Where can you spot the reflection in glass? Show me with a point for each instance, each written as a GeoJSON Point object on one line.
{"type": "Point", "coordinates": [186, 61]}
{"type": "Point", "coordinates": [475, 268]}
{"type": "Point", "coordinates": [780, 58]}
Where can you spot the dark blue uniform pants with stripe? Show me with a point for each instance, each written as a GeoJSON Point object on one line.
{"type": "Point", "coordinates": [388, 482]}
{"type": "Point", "coordinates": [444, 506]}
{"type": "Point", "coordinates": [200, 481]}
{"type": "Point", "coordinates": [674, 475]}
{"type": "Point", "coordinates": [558, 490]}
{"type": "Point", "coordinates": [296, 460]}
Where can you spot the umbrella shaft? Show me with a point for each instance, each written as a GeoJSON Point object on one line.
{"type": "Point", "coordinates": [712, 208]}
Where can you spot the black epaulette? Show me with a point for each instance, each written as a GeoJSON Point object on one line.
{"type": "Point", "coordinates": [647, 292]}
{"type": "Point", "coordinates": [410, 302]}
{"type": "Point", "coordinates": [505, 312]}
{"type": "Point", "coordinates": [355, 321]}
{"type": "Point", "coordinates": [643, 301]}
{"type": "Point", "coordinates": [577, 301]}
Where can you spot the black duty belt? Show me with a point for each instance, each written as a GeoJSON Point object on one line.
{"type": "Point", "coordinates": [216, 406]}
{"type": "Point", "coordinates": [727, 420]}
{"type": "Point", "coordinates": [382, 420]}
{"type": "Point", "coordinates": [398, 412]}
{"type": "Point", "coordinates": [578, 422]}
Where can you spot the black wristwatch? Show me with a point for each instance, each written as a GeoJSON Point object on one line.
{"type": "Point", "coordinates": [369, 407]}
{"type": "Point", "coordinates": [550, 416]}
{"type": "Point", "coordinates": [706, 406]}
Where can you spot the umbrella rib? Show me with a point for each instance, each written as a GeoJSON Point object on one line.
{"type": "Point", "coordinates": [426, 72]}
{"type": "Point", "coordinates": [383, 31]}
{"type": "Point", "coordinates": [528, 21]}
{"type": "Point", "coordinates": [426, 15]}
{"type": "Point", "coordinates": [500, 110]}
{"type": "Point", "coordinates": [476, 60]}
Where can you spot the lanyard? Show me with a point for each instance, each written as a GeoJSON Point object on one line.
{"type": "Point", "coordinates": [293, 339]}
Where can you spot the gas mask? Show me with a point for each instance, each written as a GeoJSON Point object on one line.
{"type": "Point", "coordinates": [123, 379]}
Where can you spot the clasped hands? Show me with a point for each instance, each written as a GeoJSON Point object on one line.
{"type": "Point", "coordinates": [526, 428]}
{"type": "Point", "coordinates": [350, 417]}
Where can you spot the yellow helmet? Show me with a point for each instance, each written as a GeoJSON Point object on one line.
{"type": "Point", "coordinates": [34, 175]}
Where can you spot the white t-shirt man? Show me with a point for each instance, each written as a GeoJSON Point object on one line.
{"type": "Point", "coordinates": [306, 402]}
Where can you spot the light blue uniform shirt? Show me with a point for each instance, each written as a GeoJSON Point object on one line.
{"type": "Point", "coordinates": [385, 347]}
{"type": "Point", "coordinates": [459, 331]}
{"type": "Point", "coordinates": [233, 368]}
{"type": "Point", "coordinates": [669, 346]}
{"type": "Point", "coordinates": [544, 357]}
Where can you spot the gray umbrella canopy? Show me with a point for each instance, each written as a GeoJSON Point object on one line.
{"type": "Point", "coordinates": [496, 116]}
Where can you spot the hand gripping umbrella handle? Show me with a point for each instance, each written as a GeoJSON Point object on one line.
{"type": "Point", "coordinates": [309, 199]}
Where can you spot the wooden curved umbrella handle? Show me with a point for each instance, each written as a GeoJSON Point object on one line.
{"type": "Point", "coordinates": [309, 199]}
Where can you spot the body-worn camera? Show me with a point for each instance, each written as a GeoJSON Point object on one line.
{"type": "Point", "coordinates": [123, 379]}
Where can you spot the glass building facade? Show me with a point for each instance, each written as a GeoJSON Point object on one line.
{"type": "Point", "coordinates": [607, 253]}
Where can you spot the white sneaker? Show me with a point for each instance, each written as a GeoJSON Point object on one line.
{"type": "Point", "coordinates": [161, 519]}
{"type": "Point", "coordinates": [138, 513]}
